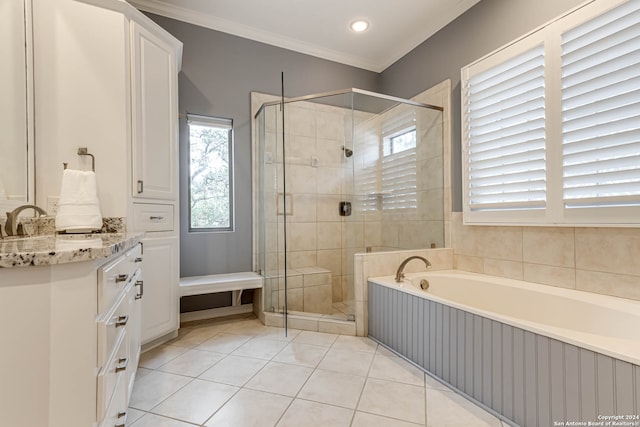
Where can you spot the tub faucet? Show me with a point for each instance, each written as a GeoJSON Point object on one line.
{"type": "Point", "coordinates": [400, 273]}
{"type": "Point", "coordinates": [11, 226]}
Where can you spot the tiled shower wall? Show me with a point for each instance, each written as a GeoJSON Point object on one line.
{"type": "Point", "coordinates": [319, 177]}
{"type": "Point", "coordinates": [600, 260]}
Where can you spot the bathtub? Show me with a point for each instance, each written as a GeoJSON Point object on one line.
{"type": "Point", "coordinates": [533, 354]}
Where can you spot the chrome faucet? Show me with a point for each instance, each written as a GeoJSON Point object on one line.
{"type": "Point", "coordinates": [400, 273]}
{"type": "Point", "coordinates": [11, 226]}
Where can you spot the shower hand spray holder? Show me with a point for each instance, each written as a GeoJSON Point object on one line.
{"type": "Point", "coordinates": [345, 208]}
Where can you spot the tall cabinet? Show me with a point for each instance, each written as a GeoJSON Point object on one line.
{"type": "Point", "coordinates": [106, 78]}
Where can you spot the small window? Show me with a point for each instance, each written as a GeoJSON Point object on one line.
{"type": "Point", "coordinates": [210, 173]}
{"type": "Point", "coordinates": [399, 142]}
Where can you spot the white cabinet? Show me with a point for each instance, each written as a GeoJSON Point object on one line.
{"type": "Point", "coordinates": [106, 78]}
{"type": "Point", "coordinates": [160, 306]}
{"type": "Point", "coordinates": [154, 114]}
{"type": "Point", "coordinates": [70, 340]}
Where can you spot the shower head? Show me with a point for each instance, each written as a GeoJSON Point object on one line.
{"type": "Point", "coordinates": [347, 152]}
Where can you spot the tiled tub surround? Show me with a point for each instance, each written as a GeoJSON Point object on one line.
{"type": "Point", "coordinates": [377, 264]}
{"type": "Point", "coordinates": [522, 369]}
{"type": "Point", "coordinates": [601, 260]}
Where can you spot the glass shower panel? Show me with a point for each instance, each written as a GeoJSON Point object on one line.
{"type": "Point", "coordinates": [346, 173]}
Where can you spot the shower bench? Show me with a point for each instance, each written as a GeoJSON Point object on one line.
{"type": "Point", "coordinates": [215, 283]}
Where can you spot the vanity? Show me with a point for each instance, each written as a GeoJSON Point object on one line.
{"type": "Point", "coordinates": [70, 326]}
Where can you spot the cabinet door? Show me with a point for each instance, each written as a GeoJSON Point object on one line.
{"type": "Point", "coordinates": [160, 304]}
{"type": "Point", "coordinates": [154, 115]}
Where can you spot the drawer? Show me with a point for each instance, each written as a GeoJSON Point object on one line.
{"type": "Point", "coordinates": [115, 276]}
{"type": "Point", "coordinates": [152, 217]}
{"type": "Point", "coordinates": [113, 372]}
{"type": "Point", "coordinates": [116, 413]}
{"type": "Point", "coordinates": [113, 323]}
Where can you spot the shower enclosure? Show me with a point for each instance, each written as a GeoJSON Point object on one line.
{"type": "Point", "coordinates": [341, 173]}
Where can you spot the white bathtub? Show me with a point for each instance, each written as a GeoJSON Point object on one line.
{"type": "Point", "coordinates": [603, 324]}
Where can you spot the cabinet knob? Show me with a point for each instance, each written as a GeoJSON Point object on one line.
{"type": "Point", "coordinates": [121, 278]}
{"type": "Point", "coordinates": [138, 259]}
{"type": "Point", "coordinates": [122, 364]}
{"type": "Point", "coordinates": [121, 321]}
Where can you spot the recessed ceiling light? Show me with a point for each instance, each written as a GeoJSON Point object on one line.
{"type": "Point", "coordinates": [359, 25]}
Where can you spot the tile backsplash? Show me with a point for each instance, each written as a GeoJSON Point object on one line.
{"type": "Point", "coordinates": [600, 260]}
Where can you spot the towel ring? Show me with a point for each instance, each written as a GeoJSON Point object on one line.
{"type": "Point", "coordinates": [82, 151]}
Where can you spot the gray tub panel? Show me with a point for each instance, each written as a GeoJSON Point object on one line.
{"type": "Point", "coordinates": [527, 378]}
{"type": "Point", "coordinates": [557, 378]}
{"type": "Point", "coordinates": [507, 371]}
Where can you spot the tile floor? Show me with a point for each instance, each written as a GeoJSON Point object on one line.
{"type": "Point", "coordinates": [238, 372]}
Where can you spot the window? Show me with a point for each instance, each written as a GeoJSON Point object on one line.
{"type": "Point", "coordinates": [399, 184]}
{"type": "Point", "coordinates": [210, 174]}
{"type": "Point", "coordinates": [551, 123]}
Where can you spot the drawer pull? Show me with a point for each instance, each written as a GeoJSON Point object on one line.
{"type": "Point", "coordinates": [140, 186]}
{"type": "Point", "coordinates": [121, 278]}
{"type": "Point", "coordinates": [122, 414]}
{"type": "Point", "coordinates": [156, 217]}
{"type": "Point", "coordinates": [138, 259]}
{"type": "Point", "coordinates": [141, 292]}
{"type": "Point", "coordinates": [123, 361]}
{"type": "Point", "coordinates": [122, 321]}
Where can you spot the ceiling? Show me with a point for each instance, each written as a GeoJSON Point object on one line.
{"type": "Point", "coordinates": [321, 27]}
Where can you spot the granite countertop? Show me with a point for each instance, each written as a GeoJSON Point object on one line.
{"type": "Point", "coordinates": [63, 248]}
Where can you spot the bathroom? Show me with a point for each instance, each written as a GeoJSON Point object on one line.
{"type": "Point", "coordinates": [219, 74]}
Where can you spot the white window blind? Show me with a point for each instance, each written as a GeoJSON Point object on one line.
{"type": "Point", "coordinates": [601, 110]}
{"type": "Point", "coordinates": [551, 123]}
{"type": "Point", "coordinates": [399, 165]}
{"type": "Point", "coordinates": [505, 125]}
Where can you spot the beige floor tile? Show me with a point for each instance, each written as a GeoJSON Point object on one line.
{"type": "Point", "coordinates": [280, 378]}
{"type": "Point", "coordinates": [190, 337]}
{"type": "Point", "coordinates": [133, 415]}
{"type": "Point", "coordinates": [333, 388]}
{"type": "Point", "coordinates": [301, 354]}
{"type": "Point", "coordinates": [395, 369]}
{"type": "Point", "coordinates": [234, 370]}
{"type": "Point", "coordinates": [316, 338]}
{"type": "Point", "coordinates": [347, 361]}
{"type": "Point", "coordinates": [435, 384]}
{"type": "Point", "coordinates": [402, 401]}
{"type": "Point", "coordinates": [260, 349]}
{"type": "Point", "coordinates": [155, 387]}
{"type": "Point", "coordinates": [313, 414]}
{"type": "Point", "coordinates": [224, 343]}
{"type": "Point", "coordinates": [362, 419]}
{"type": "Point", "coordinates": [152, 420]}
{"type": "Point", "coordinates": [445, 408]}
{"type": "Point", "coordinates": [196, 402]}
{"type": "Point", "coordinates": [345, 342]}
{"type": "Point", "coordinates": [192, 363]}
{"type": "Point", "coordinates": [158, 356]}
{"type": "Point", "coordinates": [251, 408]}
{"type": "Point", "coordinates": [273, 333]}
{"type": "Point", "coordinates": [251, 327]}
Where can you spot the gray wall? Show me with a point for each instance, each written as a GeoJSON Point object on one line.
{"type": "Point", "coordinates": [219, 71]}
{"type": "Point", "coordinates": [487, 26]}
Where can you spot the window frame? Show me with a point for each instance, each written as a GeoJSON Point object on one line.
{"type": "Point", "coordinates": [555, 212]}
{"type": "Point", "coordinates": [220, 123]}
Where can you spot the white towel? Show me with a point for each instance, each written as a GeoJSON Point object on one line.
{"type": "Point", "coordinates": [78, 207]}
